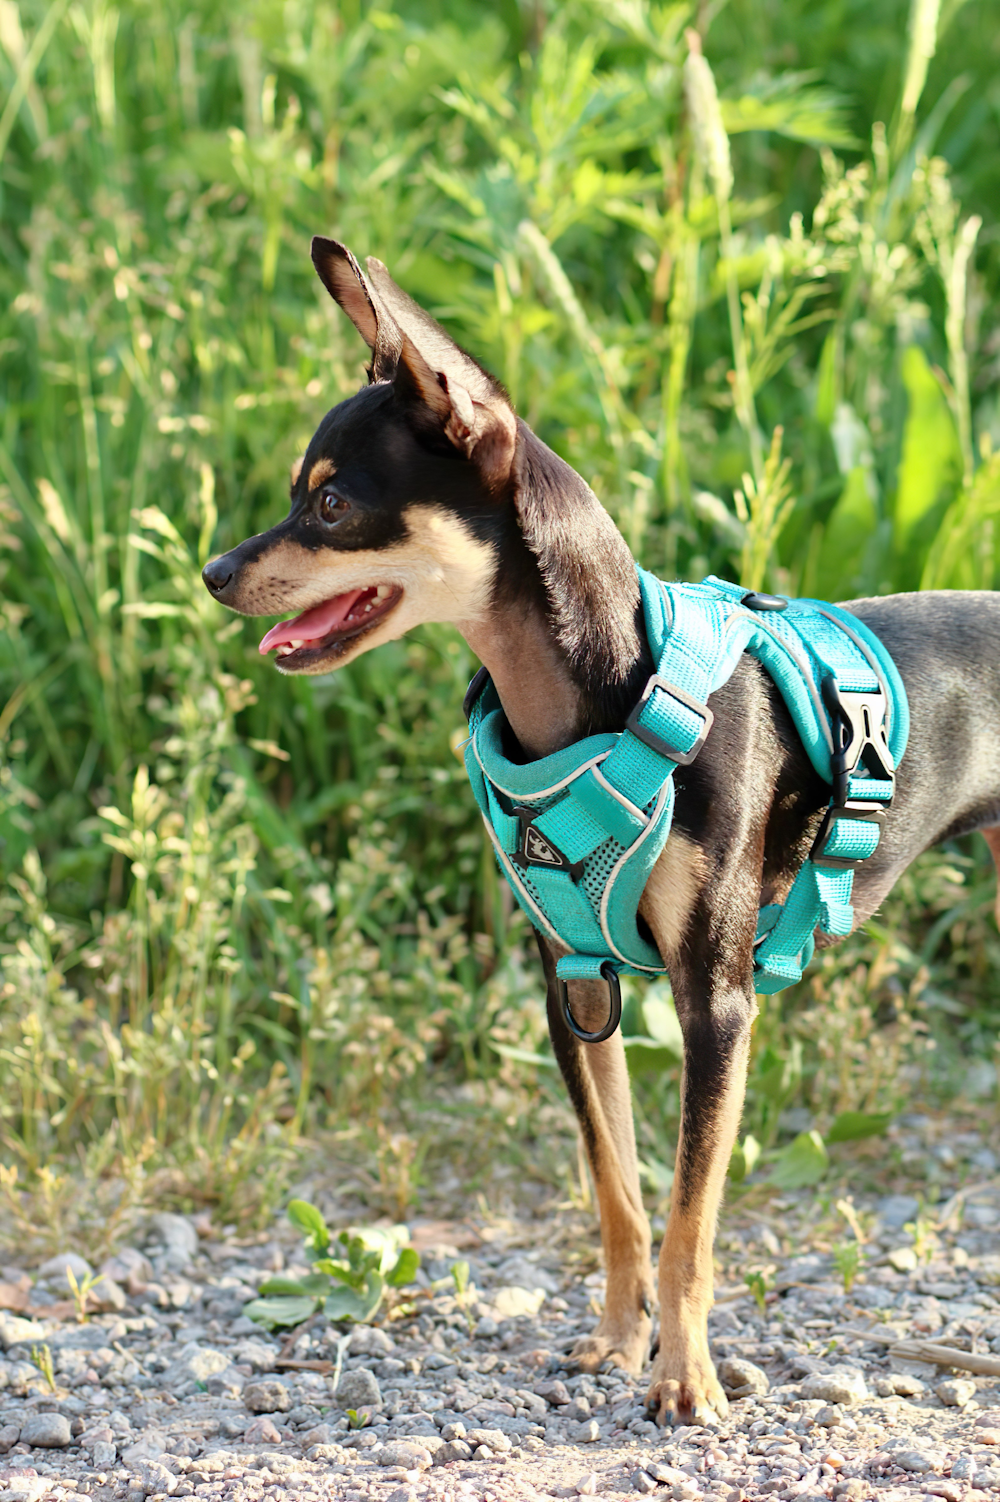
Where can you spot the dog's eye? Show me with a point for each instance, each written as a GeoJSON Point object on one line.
{"type": "Point", "coordinates": [332, 508]}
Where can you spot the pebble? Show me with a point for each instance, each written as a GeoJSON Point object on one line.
{"type": "Point", "coordinates": [405, 1453]}
{"type": "Point", "coordinates": [155, 1478]}
{"type": "Point", "coordinates": [586, 1433]}
{"type": "Point", "coordinates": [588, 1484]}
{"type": "Point", "coordinates": [956, 1392]}
{"type": "Point", "coordinates": [841, 1385]}
{"type": "Point", "coordinates": [642, 1482]}
{"type": "Point", "coordinates": [742, 1379]}
{"type": "Point", "coordinates": [267, 1397]}
{"type": "Point", "coordinates": [9, 1436]}
{"type": "Point", "coordinates": [263, 1431]}
{"type": "Point", "coordinates": [46, 1431]}
{"type": "Point", "coordinates": [918, 1461]}
{"type": "Point", "coordinates": [359, 1389]}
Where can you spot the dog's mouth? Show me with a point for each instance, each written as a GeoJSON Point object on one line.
{"type": "Point", "coordinates": [323, 631]}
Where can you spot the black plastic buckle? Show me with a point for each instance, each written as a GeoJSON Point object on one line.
{"type": "Point", "coordinates": [536, 849]}
{"type": "Point", "coordinates": [473, 691]}
{"type": "Point", "coordinates": [755, 600]}
{"type": "Point", "coordinates": [610, 975]}
{"type": "Point", "coordinates": [859, 736]}
{"type": "Point", "coordinates": [858, 813]}
{"type": "Point", "coordinates": [656, 742]}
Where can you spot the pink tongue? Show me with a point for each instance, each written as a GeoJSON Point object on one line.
{"type": "Point", "coordinates": [313, 624]}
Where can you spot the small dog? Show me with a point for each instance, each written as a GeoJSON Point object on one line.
{"type": "Point", "coordinates": [424, 498]}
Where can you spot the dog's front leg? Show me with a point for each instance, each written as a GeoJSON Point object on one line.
{"type": "Point", "coordinates": [596, 1076]}
{"type": "Point", "coordinates": [716, 1028]}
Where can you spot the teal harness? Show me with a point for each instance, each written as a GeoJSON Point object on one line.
{"type": "Point", "coordinates": [577, 833]}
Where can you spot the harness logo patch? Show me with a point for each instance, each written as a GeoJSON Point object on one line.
{"type": "Point", "coordinates": [537, 848]}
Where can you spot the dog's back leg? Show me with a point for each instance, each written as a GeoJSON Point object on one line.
{"type": "Point", "coordinates": [596, 1077]}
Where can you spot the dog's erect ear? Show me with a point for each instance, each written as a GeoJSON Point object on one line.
{"type": "Point", "coordinates": [345, 281]}
{"type": "Point", "coordinates": [455, 393]}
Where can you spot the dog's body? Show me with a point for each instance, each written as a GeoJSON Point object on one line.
{"type": "Point", "coordinates": [424, 498]}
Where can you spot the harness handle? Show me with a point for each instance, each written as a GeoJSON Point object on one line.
{"type": "Point", "coordinates": [610, 975]}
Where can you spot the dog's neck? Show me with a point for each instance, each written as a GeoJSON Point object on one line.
{"type": "Point", "coordinates": [563, 639]}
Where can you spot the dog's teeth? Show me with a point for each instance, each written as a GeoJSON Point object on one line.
{"type": "Point", "coordinates": [383, 592]}
{"type": "Point", "coordinates": [368, 607]}
{"type": "Point", "coordinates": [296, 644]}
{"type": "Point", "coordinates": [284, 651]}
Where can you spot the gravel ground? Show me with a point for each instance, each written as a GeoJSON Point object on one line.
{"type": "Point", "coordinates": [172, 1392]}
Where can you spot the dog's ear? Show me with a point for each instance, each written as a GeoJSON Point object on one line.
{"type": "Point", "coordinates": [445, 386]}
{"type": "Point", "coordinates": [345, 281]}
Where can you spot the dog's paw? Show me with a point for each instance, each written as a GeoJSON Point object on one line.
{"type": "Point", "coordinates": [627, 1349]}
{"type": "Point", "coordinates": [696, 1399]}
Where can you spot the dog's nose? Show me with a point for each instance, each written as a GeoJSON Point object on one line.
{"type": "Point", "coordinates": [217, 574]}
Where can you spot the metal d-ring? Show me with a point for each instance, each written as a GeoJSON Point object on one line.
{"type": "Point", "coordinates": [610, 975]}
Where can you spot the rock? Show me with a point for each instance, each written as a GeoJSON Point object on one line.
{"type": "Point", "coordinates": [319, 1434]}
{"type": "Point", "coordinates": [194, 1363]}
{"type": "Point", "coordinates": [46, 1431]}
{"type": "Point", "coordinates": [486, 1328]}
{"type": "Point", "coordinates": [179, 1237]}
{"type": "Point", "coordinates": [952, 1491]}
{"type": "Point", "coordinates": [642, 1482]}
{"type": "Point", "coordinates": [964, 1468]}
{"type": "Point", "coordinates": [405, 1453]}
{"type": "Point", "coordinates": [556, 1393]}
{"type": "Point", "coordinates": [841, 1385]}
{"type": "Point", "coordinates": [988, 1419]}
{"type": "Point", "coordinates": [482, 1453]}
{"type": "Point", "coordinates": [366, 1340]}
{"type": "Point", "coordinates": [155, 1478]}
{"type": "Point", "coordinates": [742, 1379]}
{"type": "Point", "coordinates": [359, 1389]}
{"type": "Point", "coordinates": [956, 1392]}
{"type": "Point", "coordinates": [54, 1270]}
{"type": "Point", "coordinates": [16, 1332]}
{"type": "Point", "coordinates": [896, 1209]}
{"type": "Point", "coordinates": [262, 1431]}
{"type": "Point", "coordinates": [150, 1446]}
{"type": "Point", "coordinates": [267, 1397]}
{"type": "Point", "coordinates": [495, 1439]}
{"type": "Point", "coordinates": [917, 1461]}
{"type": "Point", "coordinates": [521, 1273]}
{"type": "Point", "coordinates": [903, 1259]}
{"type": "Point", "coordinates": [517, 1303]}
{"type": "Point", "coordinates": [109, 1296]}
{"type": "Point", "coordinates": [586, 1433]}
{"type": "Point", "coordinates": [579, 1408]}
{"type": "Point", "coordinates": [129, 1268]}
{"type": "Point", "coordinates": [454, 1449]}
{"type": "Point", "coordinates": [402, 1494]}
{"type": "Point", "coordinates": [255, 1354]}
{"type": "Point", "coordinates": [453, 1431]}
{"type": "Point", "coordinates": [588, 1484]}
{"type": "Point", "coordinates": [9, 1436]}
{"type": "Point", "coordinates": [668, 1473]}
{"type": "Point", "coordinates": [988, 1436]}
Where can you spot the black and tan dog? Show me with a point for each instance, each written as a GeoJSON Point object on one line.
{"type": "Point", "coordinates": [423, 498]}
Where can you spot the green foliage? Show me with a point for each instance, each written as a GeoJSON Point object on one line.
{"type": "Point", "coordinates": [802, 1163]}
{"type": "Point", "coordinates": [741, 282]}
{"type": "Point", "coordinates": [351, 1286]}
{"type": "Point", "coordinates": [848, 1258]}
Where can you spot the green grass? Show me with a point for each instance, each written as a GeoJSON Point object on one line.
{"type": "Point", "coordinates": [750, 295]}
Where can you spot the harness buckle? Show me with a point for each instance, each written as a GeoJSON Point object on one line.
{"type": "Point", "coordinates": [610, 975]}
{"type": "Point", "coordinates": [859, 735]}
{"type": "Point", "coordinates": [858, 813]}
{"type": "Point", "coordinates": [656, 742]}
{"type": "Point", "coordinates": [536, 849]}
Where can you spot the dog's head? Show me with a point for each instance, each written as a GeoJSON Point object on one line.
{"type": "Point", "coordinates": [397, 503]}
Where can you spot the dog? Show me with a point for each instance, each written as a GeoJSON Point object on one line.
{"type": "Point", "coordinates": [425, 498]}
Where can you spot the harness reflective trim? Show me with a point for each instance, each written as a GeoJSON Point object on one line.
{"type": "Point", "coordinates": [577, 833]}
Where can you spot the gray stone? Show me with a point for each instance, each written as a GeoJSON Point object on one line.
{"type": "Point", "coordinates": [588, 1484]}
{"type": "Point", "coordinates": [9, 1436]}
{"type": "Point", "coordinates": [366, 1340]}
{"type": "Point", "coordinates": [179, 1237]}
{"type": "Point", "coordinates": [495, 1439]}
{"type": "Point", "coordinates": [46, 1431]}
{"type": "Point", "coordinates": [642, 1482]}
{"type": "Point", "coordinates": [586, 1433]}
{"type": "Point", "coordinates": [402, 1494]}
{"type": "Point", "coordinates": [526, 1274]}
{"type": "Point", "coordinates": [149, 1446]}
{"type": "Point", "coordinates": [54, 1270]}
{"type": "Point", "coordinates": [16, 1332]}
{"type": "Point", "coordinates": [129, 1268]}
{"type": "Point", "coordinates": [108, 1295]}
{"type": "Point", "coordinates": [841, 1385]}
{"type": "Point", "coordinates": [896, 1209]}
{"type": "Point", "coordinates": [255, 1354]}
{"type": "Point", "coordinates": [319, 1434]}
{"type": "Point", "coordinates": [263, 1431]}
{"type": "Point", "coordinates": [454, 1449]}
{"type": "Point", "coordinates": [453, 1431]}
{"type": "Point", "coordinates": [103, 1453]}
{"type": "Point", "coordinates": [964, 1468]}
{"type": "Point", "coordinates": [486, 1328]}
{"type": "Point", "coordinates": [154, 1477]}
{"type": "Point", "coordinates": [556, 1392]}
{"type": "Point", "coordinates": [359, 1389]}
{"type": "Point", "coordinates": [194, 1363]}
{"type": "Point", "coordinates": [668, 1473]}
{"type": "Point", "coordinates": [917, 1461]}
{"type": "Point", "coordinates": [267, 1397]}
{"type": "Point", "coordinates": [483, 1453]}
{"type": "Point", "coordinates": [405, 1453]}
{"type": "Point", "coordinates": [742, 1379]}
{"type": "Point", "coordinates": [956, 1392]}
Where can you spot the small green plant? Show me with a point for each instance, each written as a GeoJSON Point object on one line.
{"type": "Point", "coordinates": [460, 1277]}
{"type": "Point", "coordinates": [760, 1286]}
{"type": "Point", "coordinates": [922, 1231]}
{"type": "Point", "coordinates": [81, 1290]}
{"type": "Point", "coordinates": [849, 1259]}
{"type": "Point", "coordinates": [346, 1287]}
{"type": "Point", "coordinates": [41, 1357]}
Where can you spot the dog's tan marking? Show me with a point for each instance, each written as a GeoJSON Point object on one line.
{"type": "Point", "coordinates": [671, 891]}
{"type": "Point", "coordinates": [444, 572]}
{"type": "Point", "coordinates": [297, 470]}
{"type": "Point", "coordinates": [623, 1331]}
{"type": "Point", "coordinates": [323, 469]}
